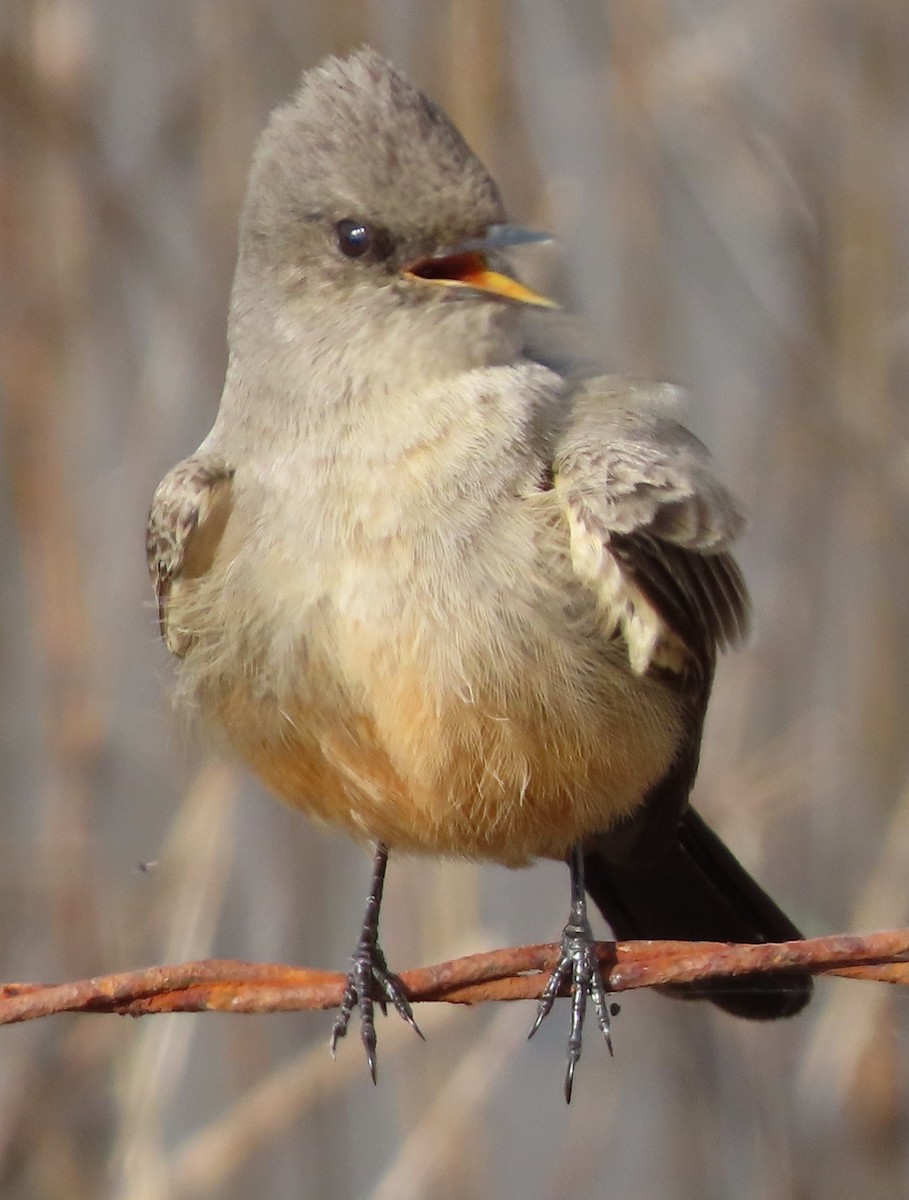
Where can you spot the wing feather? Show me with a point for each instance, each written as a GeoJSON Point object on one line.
{"type": "Point", "coordinates": [650, 526]}
{"type": "Point", "coordinates": [188, 515]}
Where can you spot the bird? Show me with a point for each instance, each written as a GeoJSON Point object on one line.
{"type": "Point", "coordinates": [434, 585]}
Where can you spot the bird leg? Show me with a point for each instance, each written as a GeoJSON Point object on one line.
{"type": "Point", "coordinates": [369, 980]}
{"type": "Point", "coordinates": [579, 961]}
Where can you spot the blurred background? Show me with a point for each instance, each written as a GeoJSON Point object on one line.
{"type": "Point", "coordinates": [730, 183]}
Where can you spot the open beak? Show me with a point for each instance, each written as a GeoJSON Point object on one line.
{"type": "Point", "coordinates": [465, 266]}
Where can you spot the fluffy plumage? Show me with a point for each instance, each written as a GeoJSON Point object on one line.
{"type": "Point", "coordinates": [432, 590]}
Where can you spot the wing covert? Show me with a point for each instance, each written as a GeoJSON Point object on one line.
{"type": "Point", "coordinates": [189, 511]}
{"type": "Point", "coordinates": [650, 526]}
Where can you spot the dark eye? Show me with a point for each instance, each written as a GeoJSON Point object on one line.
{"type": "Point", "coordinates": [354, 238]}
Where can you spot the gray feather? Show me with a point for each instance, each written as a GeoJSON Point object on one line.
{"type": "Point", "coordinates": [642, 486]}
{"type": "Point", "coordinates": [188, 514]}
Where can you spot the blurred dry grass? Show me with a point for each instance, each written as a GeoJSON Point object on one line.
{"type": "Point", "coordinates": [731, 183]}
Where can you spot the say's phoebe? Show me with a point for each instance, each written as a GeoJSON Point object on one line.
{"type": "Point", "coordinates": [433, 590]}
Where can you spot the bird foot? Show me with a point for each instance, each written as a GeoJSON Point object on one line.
{"type": "Point", "coordinates": [578, 961]}
{"type": "Point", "coordinates": [369, 982]}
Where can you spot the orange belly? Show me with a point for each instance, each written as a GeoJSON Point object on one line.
{"type": "Point", "coordinates": [474, 778]}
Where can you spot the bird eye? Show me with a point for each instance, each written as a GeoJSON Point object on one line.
{"type": "Point", "coordinates": [354, 237]}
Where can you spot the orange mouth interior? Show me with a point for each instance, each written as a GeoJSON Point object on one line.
{"type": "Point", "coordinates": [471, 270]}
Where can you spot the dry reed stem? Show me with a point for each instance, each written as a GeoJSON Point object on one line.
{"type": "Point", "coordinates": [204, 1163]}
{"type": "Point", "coordinates": [515, 973]}
{"type": "Point", "coordinates": [431, 1148]}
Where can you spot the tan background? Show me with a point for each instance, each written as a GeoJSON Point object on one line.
{"type": "Point", "coordinates": [731, 183]}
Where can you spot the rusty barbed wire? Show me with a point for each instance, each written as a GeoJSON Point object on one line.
{"type": "Point", "coordinates": [513, 973]}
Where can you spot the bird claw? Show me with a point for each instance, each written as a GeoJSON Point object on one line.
{"type": "Point", "coordinates": [579, 961]}
{"type": "Point", "coordinates": [369, 982]}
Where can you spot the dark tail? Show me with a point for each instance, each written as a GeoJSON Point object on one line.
{"type": "Point", "coordinates": [697, 891]}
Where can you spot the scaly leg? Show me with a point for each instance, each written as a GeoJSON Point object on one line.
{"type": "Point", "coordinates": [369, 979]}
{"type": "Point", "coordinates": [578, 961]}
